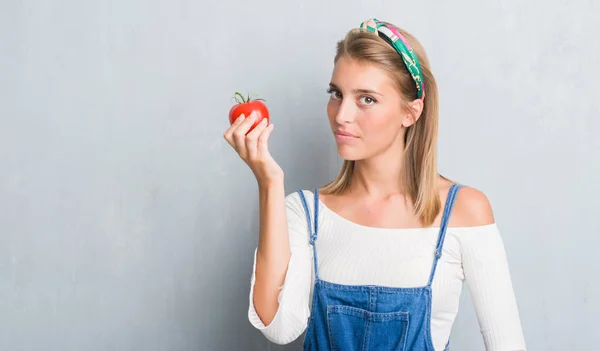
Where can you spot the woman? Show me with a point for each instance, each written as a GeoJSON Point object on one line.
{"type": "Point", "coordinates": [376, 259]}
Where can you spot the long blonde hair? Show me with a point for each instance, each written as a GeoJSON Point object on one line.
{"type": "Point", "coordinates": [420, 152]}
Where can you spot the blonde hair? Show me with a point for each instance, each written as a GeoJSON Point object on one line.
{"type": "Point", "coordinates": [420, 172]}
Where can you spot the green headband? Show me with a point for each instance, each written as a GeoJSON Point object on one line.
{"type": "Point", "coordinates": [391, 35]}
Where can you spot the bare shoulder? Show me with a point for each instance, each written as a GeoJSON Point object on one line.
{"type": "Point", "coordinates": [472, 208]}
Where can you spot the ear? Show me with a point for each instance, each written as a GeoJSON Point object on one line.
{"type": "Point", "coordinates": [415, 108]}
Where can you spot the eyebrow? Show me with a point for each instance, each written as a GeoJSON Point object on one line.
{"type": "Point", "coordinates": [357, 91]}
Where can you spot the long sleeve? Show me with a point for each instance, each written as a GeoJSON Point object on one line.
{"type": "Point", "coordinates": [487, 273]}
{"type": "Point", "coordinates": [293, 312]}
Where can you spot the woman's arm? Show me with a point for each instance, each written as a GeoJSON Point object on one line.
{"type": "Point", "coordinates": [488, 276]}
{"type": "Point", "coordinates": [275, 258]}
{"type": "Point", "coordinates": [288, 309]}
{"type": "Point", "coordinates": [273, 253]}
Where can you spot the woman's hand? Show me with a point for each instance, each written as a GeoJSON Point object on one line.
{"type": "Point", "coordinates": [253, 148]}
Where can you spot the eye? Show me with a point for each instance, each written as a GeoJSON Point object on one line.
{"type": "Point", "coordinates": [334, 94]}
{"type": "Point", "coordinates": [367, 100]}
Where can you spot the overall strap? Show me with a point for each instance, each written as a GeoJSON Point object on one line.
{"type": "Point", "coordinates": [312, 232]}
{"type": "Point", "coordinates": [444, 225]}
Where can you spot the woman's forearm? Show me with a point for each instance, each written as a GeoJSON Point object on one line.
{"type": "Point", "coordinates": [273, 254]}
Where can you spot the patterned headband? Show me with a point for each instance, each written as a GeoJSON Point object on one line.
{"type": "Point", "coordinates": [392, 36]}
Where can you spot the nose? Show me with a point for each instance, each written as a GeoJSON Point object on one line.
{"type": "Point", "coordinates": [345, 112]}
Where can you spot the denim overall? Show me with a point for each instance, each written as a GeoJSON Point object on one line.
{"type": "Point", "coordinates": [371, 317]}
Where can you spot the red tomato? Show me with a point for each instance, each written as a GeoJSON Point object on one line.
{"type": "Point", "coordinates": [246, 107]}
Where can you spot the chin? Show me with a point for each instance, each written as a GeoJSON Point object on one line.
{"type": "Point", "coordinates": [349, 153]}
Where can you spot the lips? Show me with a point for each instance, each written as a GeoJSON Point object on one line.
{"type": "Point", "coordinates": [345, 137]}
{"type": "Point", "coordinates": [345, 134]}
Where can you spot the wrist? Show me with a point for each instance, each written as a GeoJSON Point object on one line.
{"type": "Point", "coordinates": [271, 182]}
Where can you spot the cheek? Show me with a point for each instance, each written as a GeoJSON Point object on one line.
{"type": "Point", "coordinates": [379, 127]}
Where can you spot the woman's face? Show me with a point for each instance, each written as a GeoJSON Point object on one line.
{"type": "Point", "coordinates": [365, 110]}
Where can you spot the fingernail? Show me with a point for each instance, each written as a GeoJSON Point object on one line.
{"type": "Point", "coordinates": [264, 121]}
{"type": "Point", "coordinates": [241, 117]}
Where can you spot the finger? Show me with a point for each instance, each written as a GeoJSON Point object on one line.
{"type": "Point", "coordinates": [263, 139]}
{"type": "Point", "coordinates": [252, 139]}
{"type": "Point", "coordinates": [228, 135]}
{"type": "Point", "coordinates": [239, 135]}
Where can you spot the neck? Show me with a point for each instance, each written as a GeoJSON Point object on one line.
{"type": "Point", "coordinates": [379, 176]}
